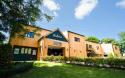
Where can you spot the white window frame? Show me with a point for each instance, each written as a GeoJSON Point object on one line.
{"type": "Point", "coordinates": [29, 50]}
{"type": "Point", "coordinates": [16, 51]}
{"type": "Point", "coordinates": [23, 50]}
{"type": "Point", "coordinates": [34, 52]}
{"type": "Point", "coordinates": [26, 50]}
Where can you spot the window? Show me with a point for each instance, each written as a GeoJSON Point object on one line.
{"type": "Point", "coordinates": [22, 50]}
{"type": "Point", "coordinates": [77, 39]}
{"type": "Point", "coordinates": [16, 51]}
{"type": "Point", "coordinates": [90, 46]}
{"type": "Point", "coordinates": [26, 50]}
{"type": "Point", "coordinates": [30, 34]}
{"type": "Point", "coordinates": [34, 52]}
{"type": "Point", "coordinates": [29, 51]}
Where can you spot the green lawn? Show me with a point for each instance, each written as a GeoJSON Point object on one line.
{"type": "Point", "coordinates": [58, 70]}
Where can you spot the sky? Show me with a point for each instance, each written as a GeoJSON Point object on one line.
{"type": "Point", "coordinates": [100, 18]}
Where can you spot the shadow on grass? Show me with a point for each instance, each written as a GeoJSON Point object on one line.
{"type": "Point", "coordinates": [46, 70]}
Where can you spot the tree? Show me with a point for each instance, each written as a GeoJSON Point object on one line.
{"type": "Point", "coordinates": [15, 14]}
{"type": "Point", "coordinates": [2, 38]}
{"type": "Point", "coordinates": [93, 39]}
{"type": "Point", "coordinates": [110, 40]}
{"type": "Point", "coordinates": [122, 41]}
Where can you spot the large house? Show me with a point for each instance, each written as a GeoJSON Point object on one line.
{"type": "Point", "coordinates": [39, 43]}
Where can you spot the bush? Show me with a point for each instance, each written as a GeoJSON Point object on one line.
{"type": "Point", "coordinates": [98, 62]}
{"type": "Point", "coordinates": [5, 55]}
{"type": "Point", "coordinates": [15, 69]}
{"type": "Point", "coordinates": [112, 62]}
{"type": "Point", "coordinates": [63, 59]}
{"type": "Point", "coordinates": [55, 58]}
{"type": "Point", "coordinates": [93, 39]}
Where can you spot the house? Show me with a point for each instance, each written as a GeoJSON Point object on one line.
{"type": "Point", "coordinates": [39, 43]}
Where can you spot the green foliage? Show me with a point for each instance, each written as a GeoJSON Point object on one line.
{"type": "Point", "coordinates": [14, 14]}
{"type": "Point", "coordinates": [122, 41]}
{"type": "Point", "coordinates": [63, 59]}
{"type": "Point", "coordinates": [61, 70]}
{"type": "Point", "coordinates": [112, 62]}
{"type": "Point", "coordinates": [2, 38]}
{"type": "Point", "coordinates": [55, 58]}
{"type": "Point", "coordinates": [97, 62]}
{"type": "Point", "coordinates": [15, 69]}
{"type": "Point", "coordinates": [5, 55]}
{"type": "Point", "coordinates": [93, 39]}
{"type": "Point", "coordinates": [113, 55]}
{"type": "Point", "coordinates": [89, 61]}
{"type": "Point", "coordinates": [122, 35]}
{"type": "Point", "coordinates": [110, 40]}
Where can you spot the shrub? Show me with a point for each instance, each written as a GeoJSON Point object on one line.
{"type": "Point", "coordinates": [93, 39]}
{"type": "Point", "coordinates": [48, 58]}
{"type": "Point", "coordinates": [99, 61]}
{"type": "Point", "coordinates": [55, 58]}
{"type": "Point", "coordinates": [110, 62]}
{"type": "Point", "coordinates": [5, 55]}
{"type": "Point", "coordinates": [15, 69]}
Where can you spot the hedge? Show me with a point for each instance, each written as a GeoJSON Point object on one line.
{"type": "Point", "coordinates": [15, 69]}
{"type": "Point", "coordinates": [98, 62]}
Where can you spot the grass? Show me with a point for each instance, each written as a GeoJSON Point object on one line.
{"type": "Point", "coordinates": [59, 70]}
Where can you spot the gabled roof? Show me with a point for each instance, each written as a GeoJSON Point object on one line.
{"type": "Point", "coordinates": [39, 27]}
{"type": "Point", "coordinates": [76, 33]}
{"type": "Point", "coordinates": [56, 35]}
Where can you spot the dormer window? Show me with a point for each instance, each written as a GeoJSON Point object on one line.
{"type": "Point", "coordinates": [30, 34]}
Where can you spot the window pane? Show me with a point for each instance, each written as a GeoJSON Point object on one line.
{"type": "Point", "coordinates": [16, 51]}
{"type": "Point", "coordinates": [29, 51]}
{"type": "Point", "coordinates": [22, 51]}
{"type": "Point", "coordinates": [90, 46]}
{"type": "Point", "coordinates": [30, 34]}
{"type": "Point", "coordinates": [26, 35]}
{"type": "Point", "coordinates": [77, 39]}
{"type": "Point", "coordinates": [26, 50]}
{"type": "Point", "coordinates": [34, 52]}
